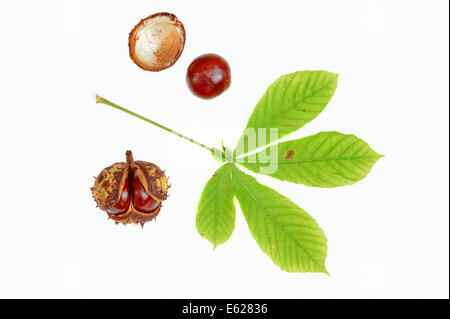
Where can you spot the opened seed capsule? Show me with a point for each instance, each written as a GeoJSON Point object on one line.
{"type": "Point", "coordinates": [131, 192]}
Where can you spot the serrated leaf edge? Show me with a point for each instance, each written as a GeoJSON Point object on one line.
{"type": "Point", "coordinates": [215, 244]}
{"type": "Point", "coordinates": [325, 271]}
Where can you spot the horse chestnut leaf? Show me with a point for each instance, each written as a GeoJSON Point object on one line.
{"type": "Point", "coordinates": [208, 76]}
{"type": "Point", "coordinates": [131, 192]}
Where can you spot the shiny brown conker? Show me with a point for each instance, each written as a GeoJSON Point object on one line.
{"type": "Point", "coordinates": [208, 76]}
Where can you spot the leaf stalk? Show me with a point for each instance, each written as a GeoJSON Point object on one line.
{"type": "Point", "coordinates": [102, 100]}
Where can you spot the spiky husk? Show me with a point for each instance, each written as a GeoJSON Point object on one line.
{"type": "Point", "coordinates": [110, 183]}
{"type": "Point", "coordinates": [132, 216]}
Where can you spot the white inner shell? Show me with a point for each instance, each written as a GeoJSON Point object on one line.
{"type": "Point", "coordinates": [150, 36]}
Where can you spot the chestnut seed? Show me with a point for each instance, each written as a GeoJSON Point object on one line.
{"type": "Point", "coordinates": [208, 76]}
{"type": "Point", "coordinates": [131, 192]}
{"type": "Point", "coordinates": [141, 200]}
{"type": "Point", "coordinates": [157, 41]}
{"type": "Point", "coordinates": [123, 204]}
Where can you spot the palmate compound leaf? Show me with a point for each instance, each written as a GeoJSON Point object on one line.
{"type": "Point", "coordinates": [326, 159]}
{"type": "Point", "coordinates": [289, 103]}
{"type": "Point", "coordinates": [216, 212]}
{"type": "Point", "coordinates": [284, 231]}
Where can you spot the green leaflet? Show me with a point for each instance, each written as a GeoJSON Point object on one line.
{"type": "Point", "coordinates": [289, 103]}
{"type": "Point", "coordinates": [284, 231]}
{"type": "Point", "coordinates": [326, 159]}
{"type": "Point", "coordinates": [216, 212]}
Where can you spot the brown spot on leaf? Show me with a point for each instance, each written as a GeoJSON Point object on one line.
{"type": "Point", "coordinates": [215, 174]}
{"type": "Point", "coordinates": [290, 154]}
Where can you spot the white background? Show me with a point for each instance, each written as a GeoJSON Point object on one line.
{"type": "Point", "coordinates": [388, 234]}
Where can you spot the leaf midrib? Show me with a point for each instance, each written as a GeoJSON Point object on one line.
{"type": "Point", "coordinates": [275, 221]}
{"type": "Point", "coordinates": [216, 207]}
{"type": "Point", "coordinates": [318, 160]}
{"type": "Point", "coordinates": [295, 103]}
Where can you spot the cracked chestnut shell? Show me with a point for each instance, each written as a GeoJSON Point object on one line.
{"type": "Point", "coordinates": [157, 41]}
{"type": "Point", "coordinates": [131, 192]}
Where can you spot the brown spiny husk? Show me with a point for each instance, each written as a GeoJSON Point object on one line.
{"type": "Point", "coordinates": [152, 178]}
{"type": "Point", "coordinates": [132, 216]}
{"type": "Point", "coordinates": [110, 183]}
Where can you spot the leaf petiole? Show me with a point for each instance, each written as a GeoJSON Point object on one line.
{"type": "Point", "coordinates": [102, 100]}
